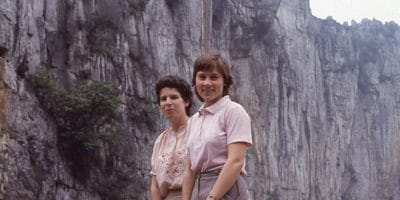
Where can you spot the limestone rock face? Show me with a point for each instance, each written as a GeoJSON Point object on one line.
{"type": "Point", "coordinates": [324, 98]}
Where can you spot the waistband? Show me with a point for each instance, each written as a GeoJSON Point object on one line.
{"type": "Point", "coordinates": [214, 172]}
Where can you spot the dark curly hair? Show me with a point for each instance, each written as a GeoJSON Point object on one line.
{"type": "Point", "coordinates": [212, 59]}
{"type": "Point", "coordinates": [180, 84]}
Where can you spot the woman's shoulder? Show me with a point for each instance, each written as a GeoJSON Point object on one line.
{"type": "Point", "coordinates": [233, 106]}
{"type": "Point", "coordinates": [195, 115]}
{"type": "Point", "coordinates": [163, 135]}
{"type": "Point", "coordinates": [234, 110]}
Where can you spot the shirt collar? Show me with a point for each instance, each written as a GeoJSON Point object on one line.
{"type": "Point", "coordinates": [216, 106]}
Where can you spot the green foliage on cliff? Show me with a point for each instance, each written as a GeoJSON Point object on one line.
{"type": "Point", "coordinates": [85, 116]}
{"type": "Point", "coordinates": [85, 112]}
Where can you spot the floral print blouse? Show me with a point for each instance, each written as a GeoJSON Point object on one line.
{"type": "Point", "coordinates": [167, 160]}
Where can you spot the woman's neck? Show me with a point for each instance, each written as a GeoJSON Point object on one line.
{"type": "Point", "coordinates": [178, 123]}
{"type": "Point", "coordinates": [212, 101]}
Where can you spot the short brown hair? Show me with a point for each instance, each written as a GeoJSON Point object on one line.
{"type": "Point", "coordinates": [212, 59]}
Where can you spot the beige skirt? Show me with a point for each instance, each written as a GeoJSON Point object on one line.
{"type": "Point", "coordinates": [174, 195]}
{"type": "Point", "coordinates": [206, 180]}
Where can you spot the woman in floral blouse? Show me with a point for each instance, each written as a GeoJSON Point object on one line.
{"type": "Point", "coordinates": [174, 96]}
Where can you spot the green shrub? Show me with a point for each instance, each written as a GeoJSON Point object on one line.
{"type": "Point", "coordinates": [84, 116]}
{"type": "Point", "coordinates": [89, 107]}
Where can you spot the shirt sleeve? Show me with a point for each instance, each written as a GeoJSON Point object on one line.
{"type": "Point", "coordinates": [238, 126]}
{"type": "Point", "coordinates": [154, 155]}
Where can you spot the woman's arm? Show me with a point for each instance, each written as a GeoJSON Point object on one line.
{"type": "Point", "coordinates": [189, 178]}
{"type": "Point", "coordinates": [231, 170]}
{"type": "Point", "coordinates": [155, 193]}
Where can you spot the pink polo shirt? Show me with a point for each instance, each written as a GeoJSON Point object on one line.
{"type": "Point", "coordinates": [210, 131]}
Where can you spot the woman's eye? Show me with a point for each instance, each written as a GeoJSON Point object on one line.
{"type": "Point", "coordinates": [174, 97]}
{"type": "Point", "coordinates": [214, 78]}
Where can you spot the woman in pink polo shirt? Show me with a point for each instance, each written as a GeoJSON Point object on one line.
{"type": "Point", "coordinates": [219, 135]}
{"type": "Point", "coordinates": [174, 96]}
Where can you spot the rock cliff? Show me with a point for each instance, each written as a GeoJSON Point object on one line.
{"type": "Point", "coordinates": [324, 97]}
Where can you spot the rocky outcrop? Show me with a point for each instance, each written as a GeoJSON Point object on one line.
{"type": "Point", "coordinates": [324, 97]}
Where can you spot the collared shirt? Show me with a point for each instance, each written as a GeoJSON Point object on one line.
{"type": "Point", "coordinates": [167, 160]}
{"type": "Point", "coordinates": [211, 130]}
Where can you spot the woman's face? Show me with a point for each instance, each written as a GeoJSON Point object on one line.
{"type": "Point", "coordinates": [209, 85]}
{"type": "Point", "coordinates": [172, 104]}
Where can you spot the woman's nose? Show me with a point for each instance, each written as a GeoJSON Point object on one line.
{"type": "Point", "coordinates": [207, 81]}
